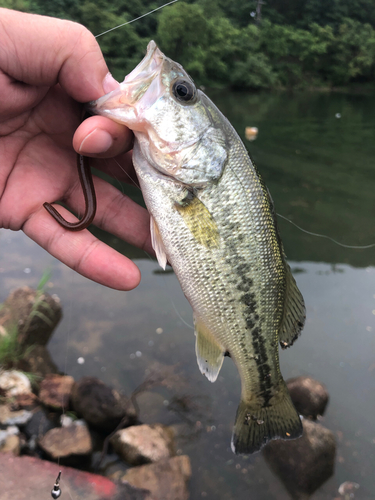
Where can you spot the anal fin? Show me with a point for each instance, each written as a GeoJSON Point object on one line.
{"type": "Point", "coordinates": [210, 354]}
{"type": "Point", "coordinates": [157, 243]}
{"type": "Point", "coordinates": [294, 312]}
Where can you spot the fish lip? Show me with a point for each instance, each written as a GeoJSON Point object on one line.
{"type": "Point", "coordinates": [130, 90]}
{"type": "Point", "coordinates": [153, 56]}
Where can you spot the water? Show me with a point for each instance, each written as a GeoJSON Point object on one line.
{"type": "Point", "coordinates": [321, 173]}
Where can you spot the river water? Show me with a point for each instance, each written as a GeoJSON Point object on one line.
{"type": "Point", "coordinates": [316, 152]}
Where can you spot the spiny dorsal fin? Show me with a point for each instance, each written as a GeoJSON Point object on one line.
{"type": "Point", "coordinates": [294, 312]}
{"type": "Point", "coordinates": [157, 243]}
{"type": "Point", "coordinates": [200, 222]}
{"type": "Point", "coordinates": [210, 354]}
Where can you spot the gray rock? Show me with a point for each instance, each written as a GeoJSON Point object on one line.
{"type": "Point", "coordinates": [100, 405]}
{"type": "Point", "coordinates": [309, 396]}
{"type": "Point", "coordinates": [303, 464]}
{"type": "Point", "coordinates": [55, 390]}
{"type": "Point", "coordinates": [63, 442]}
{"type": "Point", "coordinates": [142, 444]}
{"type": "Point", "coordinates": [39, 424]}
{"type": "Point", "coordinates": [34, 313]}
{"type": "Point", "coordinates": [166, 479]}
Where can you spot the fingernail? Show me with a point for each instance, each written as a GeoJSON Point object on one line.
{"type": "Point", "coordinates": [109, 83]}
{"type": "Point", "coordinates": [98, 141]}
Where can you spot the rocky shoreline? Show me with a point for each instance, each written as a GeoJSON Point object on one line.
{"type": "Point", "coordinates": [54, 423]}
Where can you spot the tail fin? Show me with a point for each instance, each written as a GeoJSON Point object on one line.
{"type": "Point", "coordinates": [255, 426]}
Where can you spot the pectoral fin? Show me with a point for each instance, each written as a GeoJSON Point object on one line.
{"type": "Point", "coordinates": [200, 222]}
{"type": "Point", "coordinates": [294, 313]}
{"type": "Point", "coordinates": [210, 354]}
{"type": "Point", "coordinates": [157, 243]}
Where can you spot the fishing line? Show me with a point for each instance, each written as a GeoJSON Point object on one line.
{"type": "Point", "coordinates": [355, 247]}
{"type": "Point", "coordinates": [136, 19]}
{"type": "Point", "coordinates": [126, 173]}
{"type": "Point", "coordinates": [169, 294]}
{"type": "Point", "coordinates": [56, 491]}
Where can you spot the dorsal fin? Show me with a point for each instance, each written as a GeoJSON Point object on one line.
{"type": "Point", "coordinates": [294, 312]}
{"type": "Point", "coordinates": [210, 354]}
{"type": "Point", "coordinates": [157, 243]}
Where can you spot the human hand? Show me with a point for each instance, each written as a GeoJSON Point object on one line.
{"type": "Point", "coordinates": [47, 67]}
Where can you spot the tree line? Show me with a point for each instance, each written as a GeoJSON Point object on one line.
{"type": "Point", "coordinates": [248, 44]}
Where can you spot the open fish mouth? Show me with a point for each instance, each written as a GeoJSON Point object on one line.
{"type": "Point", "coordinates": [123, 104]}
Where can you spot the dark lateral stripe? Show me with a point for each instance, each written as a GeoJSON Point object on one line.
{"type": "Point", "coordinates": [264, 371]}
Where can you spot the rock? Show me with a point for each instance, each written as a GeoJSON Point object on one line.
{"type": "Point", "coordinates": [348, 489]}
{"type": "Point", "coordinates": [55, 390]}
{"type": "Point", "coordinates": [142, 444]}
{"type": "Point", "coordinates": [67, 441]}
{"type": "Point", "coordinates": [39, 424]}
{"type": "Point", "coordinates": [33, 312]}
{"type": "Point", "coordinates": [303, 464]}
{"type": "Point", "coordinates": [38, 361]}
{"type": "Point", "coordinates": [11, 445]}
{"type": "Point", "coordinates": [25, 402]}
{"type": "Point", "coordinates": [166, 479]}
{"type": "Point", "coordinates": [29, 478]}
{"type": "Point", "coordinates": [8, 417]}
{"type": "Point", "coordinates": [3, 437]}
{"type": "Point", "coordinates": [10, 440]}
{"type": "Point", "coordinates": [309, 396]}
{"type": "Point", "coordinates": [65, 420]}
{"type": "Point", "coordinates": [14, 383]}
{"type": "Point", "coordinates": [100, 405]}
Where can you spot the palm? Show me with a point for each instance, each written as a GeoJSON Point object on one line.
{"type": "Point", "coordinates": [48, 66]}
{"type": "Point", "coordinates": [38, 162]}
{"type": "Point", "coordinates": [39, 165]}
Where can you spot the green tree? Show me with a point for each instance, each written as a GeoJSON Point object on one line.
{"type": "Point", "coordinates": [351, 53]}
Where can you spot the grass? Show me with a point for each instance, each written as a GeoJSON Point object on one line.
{"type": "Point", "coordinates": [11, 350]}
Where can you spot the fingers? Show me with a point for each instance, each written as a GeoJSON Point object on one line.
{"type": "Point", "coordinates": [43, 51]}
{"type": "Point", "coordinates": [101, 137]}
{"type": "Point", "coordinates": [117, 214]}
{"type": "Point", "coordinates": [82, 252]}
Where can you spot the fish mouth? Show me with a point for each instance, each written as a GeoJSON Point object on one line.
{"type": "Point", "coordinates": [124, 103]}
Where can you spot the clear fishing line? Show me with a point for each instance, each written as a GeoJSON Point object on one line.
{"type": "Point", "coordinates": [136, 19]}
{"type": "Point", "coordinates": [355, 247]}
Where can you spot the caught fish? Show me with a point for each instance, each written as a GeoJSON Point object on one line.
{"type": "Point", "coordinates": [213, 219]}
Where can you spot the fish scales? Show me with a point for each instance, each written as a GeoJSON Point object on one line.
{"type": "Point", "coordinates": [212, 218]}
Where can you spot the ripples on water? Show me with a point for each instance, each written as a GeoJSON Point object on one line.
{"type": "Point", "coordinates": [321, 173]}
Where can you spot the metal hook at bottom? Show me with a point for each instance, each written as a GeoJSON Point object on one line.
{"type": "Point", "coordinates": [56, 491]}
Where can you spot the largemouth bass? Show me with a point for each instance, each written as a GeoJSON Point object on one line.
{"type": "Point", "coordinates": [213, 219]}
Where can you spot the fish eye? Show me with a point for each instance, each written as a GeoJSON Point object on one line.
{"type": "Point", "coordinates": [183, 90]}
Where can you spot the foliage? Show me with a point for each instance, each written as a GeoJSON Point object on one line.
{"type": "Point", "coordinates": [11, 349]}
{"type": "Point", "coordinates": [241, 43]}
